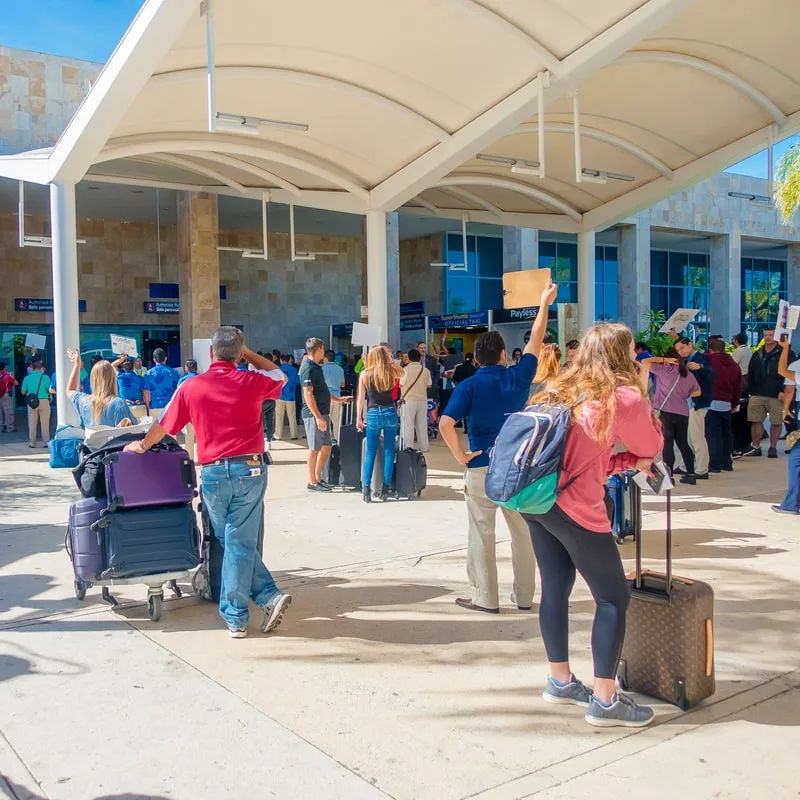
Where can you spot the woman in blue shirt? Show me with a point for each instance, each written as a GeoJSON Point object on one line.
{"type": "Point", "coordinates": [103, 406]}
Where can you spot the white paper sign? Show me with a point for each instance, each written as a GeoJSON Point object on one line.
{"type": "Point", "coordinates": [298, 352]}
{"type": "Point", "coordinates": [366, 335]}
{"type": "Point", "coordinates": [35, 340]}
{"type": "Point", "coordinates": [123, 344]}
{"type": "Point", "coordinates": [794, 317]}
{"type": "Point", "coordinates": [201, 353]}
{"type": "Point", "coordinates": [680, 320]}
{"type": "Point", "coordinates": [782, 326]}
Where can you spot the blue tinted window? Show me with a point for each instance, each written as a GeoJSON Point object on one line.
{"type": "Point", "coordinates": [490, 257]}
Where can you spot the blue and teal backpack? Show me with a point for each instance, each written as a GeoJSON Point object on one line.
{"type": "Point", "coordinates": [526, 460]}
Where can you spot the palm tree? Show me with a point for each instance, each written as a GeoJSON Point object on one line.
{"type": "Point", "coordinates": [787, 182]}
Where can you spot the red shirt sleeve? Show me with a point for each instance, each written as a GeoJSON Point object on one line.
{"type": "Point", "coordinates": [176, 416]}
{"type": "Point", "coordinates": [266, 387]}
{"type": "Point", "coordinates": [635, 425]}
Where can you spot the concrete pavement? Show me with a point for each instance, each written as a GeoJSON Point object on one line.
{"type": "Point", "coordinates": [377, 685]}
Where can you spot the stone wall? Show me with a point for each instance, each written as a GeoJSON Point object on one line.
{"type": "Point", "coordinates": [39, 94]}
{"type": "Point", "coordinates": [418, 279]}
{"type": "Point", "coordinates": [278, 302]}
{"type": "Point", "coordinates": [708, 208]}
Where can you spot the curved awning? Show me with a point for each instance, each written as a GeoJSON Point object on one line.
{"type": "Point", "coordinates": [434, 104]}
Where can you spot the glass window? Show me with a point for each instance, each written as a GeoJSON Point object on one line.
{"type": "Point", "coordinates": [658, 268]}
{"type": "Point", "coordinates": [461, 293]}
{"type": "Point", "coordinates": [678, 263]}
{"type": "Point", "coordinates": [490, 258]}
{"type": "Point", "coordinates": [455, 252]}
{"type": "Point", "coordinates": [491, 294]}
{"type": "Point", "coordinates": [658, 298]}
{"type": "Point", "coordinates": [547, 255]}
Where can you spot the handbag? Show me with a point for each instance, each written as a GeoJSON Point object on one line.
{"type": "Point", "coordinates": [33, 399]}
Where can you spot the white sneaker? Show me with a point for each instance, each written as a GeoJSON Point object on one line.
{"type": "Point", "coordinates": [273, 612]}
{"type": "Point", "coordinates": [237, 633]}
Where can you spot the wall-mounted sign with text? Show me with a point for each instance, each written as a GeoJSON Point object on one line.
{"type": "Point", "coordinates": [23, 304]}
{"type": "Point", "coordinates": [162, 306]}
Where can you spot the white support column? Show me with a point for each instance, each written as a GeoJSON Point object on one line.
{"type": "Point", "coordinates": [586, 301]}
{"type": "Point", "coordinates": [377, 271]}
{"type": "Point", "coordinates": [64, 232]}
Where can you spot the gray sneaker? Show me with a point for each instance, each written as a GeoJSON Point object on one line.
{"type": "Point", "coordinates": [623, 713]}
{"type": "Point", "coordinates": [574, 693]}
{"type": "Point", "coordinates": [273, 612]}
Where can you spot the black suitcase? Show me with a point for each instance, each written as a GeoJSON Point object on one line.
{"type": "Point", "coordinates": [411, 473]}
{"type": "Point", "coordinates": [350, 448]}
{"type": "Point", "coordinates": [669, 640]}
{"type": "Point", "coordinates": [207, 581]}
{"type": "Point", "coordinates": [149, 541]}
{"type": "Point", "coordinates": [332, 471]}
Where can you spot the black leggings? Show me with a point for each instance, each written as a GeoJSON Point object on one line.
{"type": "Point", "coordinates": [675, 428]}
{"type": "Point", "coordinates": [562, 547]}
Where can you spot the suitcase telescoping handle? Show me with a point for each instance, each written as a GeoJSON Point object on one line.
{"type": "Point", "coordinates": [639, 581]}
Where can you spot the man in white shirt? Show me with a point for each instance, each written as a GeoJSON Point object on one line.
{"type": "Point", "coordinates": [741, 355]}
{"type": "Point", "coordinates": [414, 387]}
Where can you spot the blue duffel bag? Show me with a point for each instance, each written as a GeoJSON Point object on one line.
{"type": "Point", "coordinates": [64, 447]}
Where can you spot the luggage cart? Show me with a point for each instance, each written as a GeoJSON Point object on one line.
{"type": "Point", "coordinates": [155, 589]}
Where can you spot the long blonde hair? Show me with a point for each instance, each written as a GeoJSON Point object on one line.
{"type": "Point", "coordinates": [602, 364]}
{"type": "Point", "coordinates": [549, 363]}
{"type": "Point", "coordinates": [103, 380]}
{"type": "Point", "coordinates": [380, 372]}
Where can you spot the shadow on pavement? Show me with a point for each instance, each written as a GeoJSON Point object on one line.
{"type": "Point", "coordinates": [13, 667]}
{"type": "Point", "coordinates": [18, 791]}
{"type": "Point", "coordinates": [698, 543]}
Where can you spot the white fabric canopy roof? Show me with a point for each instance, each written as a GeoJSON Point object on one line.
{"type": "Point", "coordinates": [400, 98]}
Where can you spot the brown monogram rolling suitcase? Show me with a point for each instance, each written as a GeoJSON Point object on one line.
{"type": "Point", "coordinates": [669, 639]}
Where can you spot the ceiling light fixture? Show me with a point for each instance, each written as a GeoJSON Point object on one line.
{"type": "Point", "coordinates": [519, 166]}
{"type": "Point", "coordinates": [32, 240]}
{"type": "Point", "coordinates": [761, 199]}
{"type": "Point", "coordinates": [463, 267]}
{"type": "Point", "coordinates": [250, 126]}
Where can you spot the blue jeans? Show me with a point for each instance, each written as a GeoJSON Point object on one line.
{"type": "Point", "coordinates": [792, 500]}
{"type": "Point", "coordinates": [234, 497]}
{"type": "Point", "coordinates": [382, 419]}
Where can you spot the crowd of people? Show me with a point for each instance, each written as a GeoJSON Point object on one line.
{"type": "Point", "coordinates": [627, 409]}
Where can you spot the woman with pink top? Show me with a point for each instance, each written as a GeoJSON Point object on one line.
{"type": "Point", "coordinates": [674, 386]}
{"type": "Point", "coordinates": [605, 391]}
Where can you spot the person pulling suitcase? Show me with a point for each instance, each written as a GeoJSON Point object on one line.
{"type": "Point", "coordinates": [225, 406]}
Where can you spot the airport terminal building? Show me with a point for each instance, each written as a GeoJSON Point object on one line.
{"type": "Point", "coordinates": [719, 246]}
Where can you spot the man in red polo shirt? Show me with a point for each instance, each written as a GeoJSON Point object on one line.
{"type": "Point", "coordinates": [224, 406]}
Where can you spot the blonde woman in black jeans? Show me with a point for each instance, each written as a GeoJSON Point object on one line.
{"type": "Point", "coordinates": [674, 386]}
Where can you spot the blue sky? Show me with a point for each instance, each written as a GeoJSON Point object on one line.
{"type": "Point", "coordinates": [85, 29]}
{"type": "Point", "coordinates": [91, 29]}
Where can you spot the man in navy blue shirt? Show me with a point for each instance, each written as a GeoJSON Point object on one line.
{"type": "Point", "coordinates": [485, 400]}
{"type": "Point", "coordinates": [285, 406]}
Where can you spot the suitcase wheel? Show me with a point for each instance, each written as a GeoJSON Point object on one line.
{"type": "Point", "coordinates": [80, 590]}
{"type": "Point", "coordinates": [154, 607]}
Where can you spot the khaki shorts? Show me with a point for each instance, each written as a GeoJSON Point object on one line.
{"type": "Point", "coordinates": [758, 408]}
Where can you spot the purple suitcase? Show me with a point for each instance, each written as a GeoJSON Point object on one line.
{"type": "Point", "coordinates": [83, 541]}
{"type": "Point", "coordinates": [160, 477]}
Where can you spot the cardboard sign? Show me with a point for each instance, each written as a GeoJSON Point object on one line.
{"type": "Point", "coordinates": [201, 353]}
{"type": "Point", "coordinates": [123, 344]}
{"type": "Point", "coordinates": [524, 288]}
{"type": "Point", "coordinates": [35, 340]}
{"type": "Point", "coordinates": [366, 335]}
{"type": "Point", "coordinates": [680, 320]}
